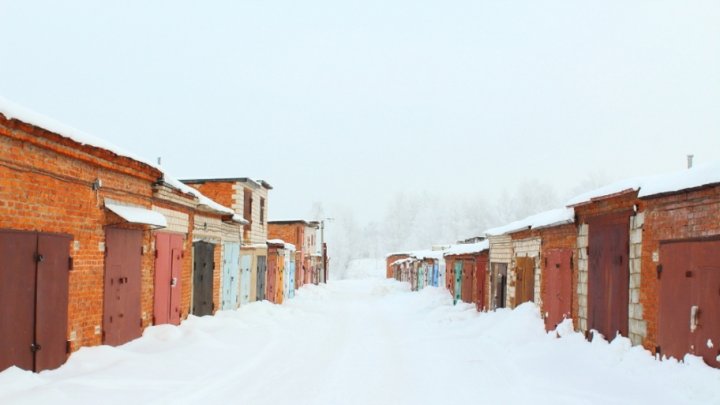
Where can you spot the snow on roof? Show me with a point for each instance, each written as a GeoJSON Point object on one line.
{"type": "Point", "coordinates": [558, 216]}
{"type": "Point", "coordinates": [12, 110]}
{"type": "Point", "coordinates": [610, 189]}
{"type": "Point", "coordinates": [202, 199]}
{"type": "Point", "coordinates": [427, 254]}
{"type": "Point", "coordinates": [239, 219]}
{"type": "Point", "coordinates": [697, 176]}
{"type": "Point", "coordinates": [288, 246]}
{"type": "Point", "coordinates": [467, 248]}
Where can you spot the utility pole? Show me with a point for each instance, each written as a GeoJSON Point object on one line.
{"type": "Point", "coordinates": [323, 246]}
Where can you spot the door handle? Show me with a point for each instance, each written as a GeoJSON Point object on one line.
{"type": "Point", "coordinates": [694, 314]}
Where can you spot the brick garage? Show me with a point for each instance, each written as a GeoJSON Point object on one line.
{"type": "Point", "coordinates": [46, 185]}
{"type": "Point", "coordinates": [390, 269]}
{"type": "Point", "coordinates": [558, 254]}
{"type": "Point", "coordinates": [680, 269]}
{"type": "Point", "coordinates": [470, 263]}
{"type": "Point", "coordinates": [609, 242]}
{"type": "Point", "coordinates": [303, 235]}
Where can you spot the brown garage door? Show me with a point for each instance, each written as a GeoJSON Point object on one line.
{"type": "Point", "coordinates": [557, 287]}
{"type": "Point", "coordinates": [121, 311]}
{"type": "Point", "coordinates": [525, 280]}
{"type": "Point", "coordinates": [468, 282]}
{"type": "Point", "coordinates": [608, 274]}
{"type": "Point", "coordinates": [690, 300]}
{"type": "Point", "coordinates": [33, 299]}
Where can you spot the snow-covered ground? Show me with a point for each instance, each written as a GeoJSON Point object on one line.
{"type": "Point", "coordinates": [365, 342]}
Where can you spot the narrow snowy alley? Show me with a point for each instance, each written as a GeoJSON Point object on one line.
{"type": "Point", "coordinates": [364, 342]}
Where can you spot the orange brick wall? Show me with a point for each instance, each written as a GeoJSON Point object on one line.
{"type": "Point", "coordinates": [390, 259]}
{"type": "Point", "coordinates": [686, 215]}
{"type": "Point", "coordinates": [220, 192]}
{"type": "Point", "coordinates": [45, 185]}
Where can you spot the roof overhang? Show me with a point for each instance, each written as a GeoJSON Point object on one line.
{"type": "Point", "coordinates": [137, 215]}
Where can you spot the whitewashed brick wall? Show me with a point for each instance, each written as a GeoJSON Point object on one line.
{"type": "Point", "coordinates": [177, 221]}
{"type": "Point", "coordinates": [582, 245]}
{"type": "Point", "coordinates": [207, 228]}
{"type": "Point", "coordinates": [529, 247]}
{"type": "Point", "coordinates": [638, 326]}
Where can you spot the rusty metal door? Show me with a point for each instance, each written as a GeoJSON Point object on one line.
{"type": "Point", "coordinates": [51, 310]}
{"type": "Point", "coordinates": [608, 274]}
{"type": "Point", "coordinates": [498, 284]}
{"type": "Point", "coordinates": [557, 288]}
{"type": "Point", "coordinates": [203, 268]}
{"type": "Point", "coordinates": [690, 300]}
{"type": "Point", "coordinates": [176, 243]}
{"type": "Point", "coordinates": [18, 260]}
{"type": "Point", "coordinates": [33, 299]}
{"type": "Point", "coordinates": [122, 320]}
{"type": "Point", "coordinates": [261, 277]}
{"type": "Point", "coordinates": [468, 280]}
{"type": "Point", "coordinates": [524, 280]}
{"type": "Point", "coordinates": [479, 278]}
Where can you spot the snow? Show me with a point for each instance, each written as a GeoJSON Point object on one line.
{"type": "Point", "coordinates": [239, 219]}
{"type": "Point", "coordinates": [362, 269]}
{"type": "Point", "coordinates": [138, 215]}
{"type": "Point", "coordinates": [467, 248]}
{"type": "Point", "coordinates": [558, 216]}
{"type": "Point", "coordinates": [696, 176]}
{"type": "Point", "coordinates": [13, 110]}
{"type": "Point", "coordinates": [366, 342]}
{"type": "Point", "coordinates": [426, 254]}
{"type": "Point", "coordinates": [202, 199]}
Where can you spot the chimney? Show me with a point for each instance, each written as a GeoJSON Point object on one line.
{"type": "Point", "coordinates": [690, 160]}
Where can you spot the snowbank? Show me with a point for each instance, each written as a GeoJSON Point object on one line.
{"type": "Point", "coordinates": [366, 342]}
{"type": "Point", "coordinates": [467, 248]}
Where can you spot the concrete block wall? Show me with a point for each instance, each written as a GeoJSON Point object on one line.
{"type": "Point", "coordinates": [637, 328]}
{"type": "Point", "coordinates": [582, 280]}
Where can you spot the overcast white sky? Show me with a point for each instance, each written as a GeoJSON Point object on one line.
{"type": "Point", "coordinates": [346, 102]}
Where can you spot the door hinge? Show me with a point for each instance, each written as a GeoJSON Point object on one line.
{"type": "Point", "coordinates": [156, 253]}
{"type": "Point", "coordinates": [70, 264]}
{"type": "Point", "coordinates": [141, 322]}
{"type": "Point", "coordinates": [68, 347]}
{"type": "Point", "coordinates": [658, 351]}
{"type": "Point", "coordinates": [142, 251]}
{"type": "Point", "coordinates": [153, 319]}
{"type": "Point", "coordinates": [659, 270]}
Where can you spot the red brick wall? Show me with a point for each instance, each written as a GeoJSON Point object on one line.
{"type": "Point", "coordinates": [390, 259]}
{"type": "Point", "coordinates": [45, 185]}
{"type": "Point", "coordinates": [686, 215]}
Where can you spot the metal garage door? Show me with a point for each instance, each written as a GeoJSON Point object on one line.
{"type": "Point", "coordinates": [524, 280]}
{"type": "Point", "coordinates": [122, 320]}
{"type": "Point", "coordinates": [203, 267]}
{"type": "Point", "coordinates": [168, 271]}
{"type": "Point", "coordinates": [498, 284]}
{"type": "Point", "coordinates": [690, 300]}
{"type": "Point", "coordinates": [231, 275]}
{"type": "Point", "coordinates": [557, 290]}
{"type": "Point", "coordinates": [261, 277]}
{"type": "Point", "coordinates": [33, 299]}
{"type": "Point", "coordinates": [608, 274]}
